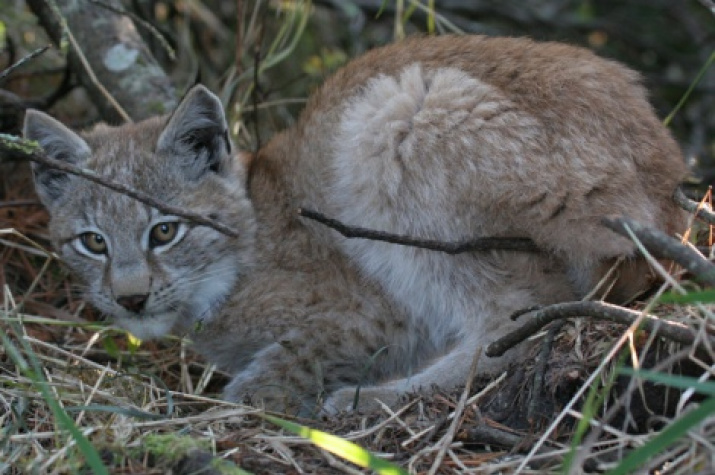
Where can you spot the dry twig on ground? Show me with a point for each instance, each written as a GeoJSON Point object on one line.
{"type": "Point", "coordinates": [599, 310]}
{"type": "Point", "coordinates": [663, 246]}
{"type": "Point", "coordinates": [699, 209]}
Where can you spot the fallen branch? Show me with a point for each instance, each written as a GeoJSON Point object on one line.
{"type": "Point", "coordinates": [19, 203]}
{"type": "Point", "coordinates": [446, 441]}
{"type": "Point", "coordinates": [7, 71]}
{"type": "Point", "coordinates": [489, 435]}
{"type": "Point", "coordinates": [475, 245]}
{"type": "Point", "coordinates": [700, 210]}
{"type": "Point", "coordinates": [15, 148]}
{"type": "Point", "coordinates": [540, 366]}
{"type": "Point", "coordinates": [677, 332]}
{"type": "Point", "coordinates": [663, 246]}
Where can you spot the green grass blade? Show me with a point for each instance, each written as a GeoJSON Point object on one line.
{"type": "Point", "coordinates": [702, 296]}
{"type": "Point", "coordinates": [665, 438]}
{"type": "Point", "coordinates": [33, 371]}
{"type": "Point", "coordinates": [680, 382]}
{"type": "Point", "coordinates": [340, 447]}
{"type": "Point", "coordinates": [695, 82]}
{"type": "Point", "coordinates": [594, 400]}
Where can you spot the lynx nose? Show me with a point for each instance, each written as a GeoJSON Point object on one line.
{"type": "Point", "coordinates": [133, 303]}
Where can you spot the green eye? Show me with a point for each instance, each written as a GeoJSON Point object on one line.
{"type": "Point", "coordinates": [94, 243]}
{"type": "Point", "coordinates": [163, 233]}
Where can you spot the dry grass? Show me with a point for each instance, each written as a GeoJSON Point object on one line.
{"type": "Point", "coordinates": [154, 408]}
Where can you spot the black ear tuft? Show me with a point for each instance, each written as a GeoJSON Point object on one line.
{"type": "Point", "coordinates": [59, 143]}
{"type": "Point", "coordinates": [197, 132]}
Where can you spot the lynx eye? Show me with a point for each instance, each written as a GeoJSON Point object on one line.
{"type": "Point", "coordinates": [163, 233]}
{"type": "Point", "coordinates": [94, 242]}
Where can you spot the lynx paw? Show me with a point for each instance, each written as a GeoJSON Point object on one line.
{"type": "Point", "coordinates": [368, 400]}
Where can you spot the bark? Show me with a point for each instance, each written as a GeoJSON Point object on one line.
{"type": "Point", "coordinates": [126, 75]}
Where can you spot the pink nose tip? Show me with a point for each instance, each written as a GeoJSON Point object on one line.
{"type": "Point", "coordinates": [133, 303]}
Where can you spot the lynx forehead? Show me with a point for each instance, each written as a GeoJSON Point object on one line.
{"type": "Point", "coordinates": [443, 138]}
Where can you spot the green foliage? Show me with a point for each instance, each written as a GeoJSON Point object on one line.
{"type": "Point", "coordinates": [30, 366]}
{"type": "Point", "coordinates": [680, 382]}
{"type": "Point", "coordinates": [695, 82]}
{"type": "Point", "coordinates": [676, 429]}
{"type": "Point", "coordinates": [702, 296]}
{"type": "Point", "coordinates": [340, 447]}
{"type": "Point", "coordinates": [3, 35]}
{"type": "Point", "coordinates": [327, 61]}
{"type": "Point", "coordinates": [667, 437]}
{"type": "Point", "coordinates": [597, 394]}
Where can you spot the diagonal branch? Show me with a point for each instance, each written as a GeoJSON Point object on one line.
{"type": "Point", "coordinates": [700, 210]}
{"type": "Point", "coordinates": [663, 246]}
{"type": "Point", "coordinates": [597, 310]}
{"type": "Point", "coordinates": [9, 70]}
{"type": "Point", "coordinates": [478, 244]}
{"type": "Point", "coordinates": [19, 149]}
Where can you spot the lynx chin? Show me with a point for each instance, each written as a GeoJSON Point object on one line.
{"type": "Point", "coordinates": [446, 138]}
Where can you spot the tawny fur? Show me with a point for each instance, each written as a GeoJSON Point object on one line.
{"type": "Point", "coordinates": [446, 138]}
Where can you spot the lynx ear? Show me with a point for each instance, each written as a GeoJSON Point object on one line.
{"type": "Point", "coordinates": [59, 143]}
{"type": "Point", "coordinates": [197, 133]}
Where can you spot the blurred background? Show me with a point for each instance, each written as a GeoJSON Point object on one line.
{"type": "Point", "coordinates": [265, 56]}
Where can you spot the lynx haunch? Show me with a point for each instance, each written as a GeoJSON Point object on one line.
{"type": "Point", "coordinates": [445, 138]}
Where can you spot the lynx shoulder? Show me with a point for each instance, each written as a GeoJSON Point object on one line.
{"type": "Point", "coordinates": [446, 138]}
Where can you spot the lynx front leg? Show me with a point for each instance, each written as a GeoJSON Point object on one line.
{"type": "Point", "coordinates": [328, 352]}
{"type": "Point", "coordinates": [275, 381]}
{"type": "Point", "coordinates": [446, 372]}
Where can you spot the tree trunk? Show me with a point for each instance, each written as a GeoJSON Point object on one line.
{"type": "Point", "coordinates": [128, 83]}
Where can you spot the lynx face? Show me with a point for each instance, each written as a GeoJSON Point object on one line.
{"type": "Point", "coordinates": [150, 271]}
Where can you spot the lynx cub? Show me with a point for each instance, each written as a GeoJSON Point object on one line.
{"type": "Point", "coordinates": [446, 138]}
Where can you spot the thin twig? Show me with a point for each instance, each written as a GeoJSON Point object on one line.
{"type": "Point", "coordinates": [4, 74]}
{"type": "Point", "coordinates": [19, 203]}
{"type": "Point", "coordinates": [540, 371]}
{"type": "Point", "coordinates": [605, 361]}
{"type": "Point", "coordinates": [448, 437]}
{"type": "Point", "coordinates": [240, 13]}
{"type": "Point", "coordinates": [479, 244]}
{"type": "Point", "coordinates": [596, 310]}
{"type": "Point", "coordinates": [699, 209]}
{"type": "Point", "coordinates": [256, 86]}
{"type": "Point", "coordinates": [19, 149]}
{"type": "Point", "coordinates": [140, 21]}
{"type": "Point", "coordinates": [663, 246]}
{"type": "Point", "coordinates": [489, 435]}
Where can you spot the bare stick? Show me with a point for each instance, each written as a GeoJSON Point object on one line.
{"type": "Point", "coordinates": [596, 310]}
{"type": "Point", "coordinates": [700, 210]}
{"type": "Point", "coordinates": [156, 34]}
{"type": "Point", "coordinates": [479, 244]}
{"type": "Point", "coordinates": [20, 149]}
{"type": "Point", "coordinates": [663, 246]}
{"type": "Point", "coordinates": [4, 74]}
{"type": "Point", "coordinates": [489, 435]}
{"type": "Point", "coordinates": [540, 371]}
{"type": "Point", "coordinates": [19, 203]}
{"type": "Point", "coordinates": [448, 437]}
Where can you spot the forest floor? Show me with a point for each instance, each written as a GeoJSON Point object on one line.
{"type": "Point", "coordinates": [154, 408]}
